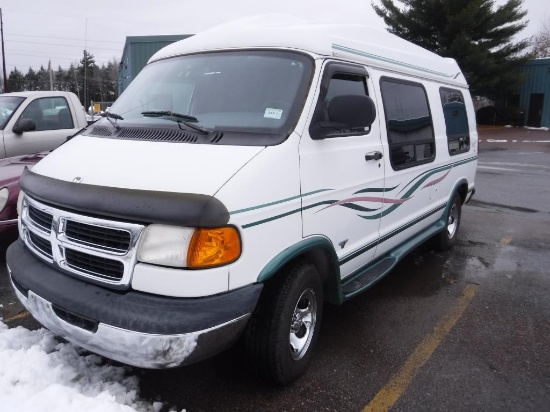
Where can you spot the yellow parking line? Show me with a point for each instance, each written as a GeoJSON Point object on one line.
{"type": "Point", "coordinates": [506, 241]}
{"type": "Point", "coordinates": [393, 390]}
{"type": "Point", "coordinates": [16, 317]}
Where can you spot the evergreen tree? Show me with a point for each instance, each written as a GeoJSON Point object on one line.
{"type": "Point", "coordinates": [477, 36]}
{"type": "Point", "coordinates": [42, 79]}
{"type": "Point", "coordinates": [16, 81]}
{"type": "Point", "coordinates": [88, 71]}
{"type": "Point", "coordinates": [72, 83]}
{"type": "Point", "coordinates": [31, 80]}
{"type": "Point", "coordinates": [59, 82]}
{"type": "Point", "coordinates": [101, 83]}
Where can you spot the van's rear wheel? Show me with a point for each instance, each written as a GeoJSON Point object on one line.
{"type": "Point", "coordinates": [447, 238]}
{"type": "Point", "coordinates": [283, 330]}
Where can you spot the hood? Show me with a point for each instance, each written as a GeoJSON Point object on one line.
{"type": "Point", "coordinates": [12, 167]}
{"type": "Point", "coordinates": [145, 165]}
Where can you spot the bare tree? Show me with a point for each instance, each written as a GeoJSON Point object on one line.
{"type": "Point", "coordinates": [541, 42]}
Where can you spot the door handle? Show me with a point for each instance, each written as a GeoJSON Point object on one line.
{"type": "Point", "coordinates": [374, 156]}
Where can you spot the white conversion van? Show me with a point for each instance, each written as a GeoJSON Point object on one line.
{"type": "Point", "coordinates": [247, 175]}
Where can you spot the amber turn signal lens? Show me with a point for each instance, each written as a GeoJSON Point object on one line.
{"type": "Point", "coordinates": [213, 247]}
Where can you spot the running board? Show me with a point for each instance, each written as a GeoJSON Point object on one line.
{"type": "Point", "coordinates": [368, 276]}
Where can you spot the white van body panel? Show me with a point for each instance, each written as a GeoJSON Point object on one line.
{"type": "Point", "coordinates": [180, 282]}
{"type": "Point", "coordinates": [351, 42]}
{"type": "Point", "coordinates": [160, 166]}
{"type": "Point", "coordinates": [336, 174]}
{"type": "Point", "coordinates": [264, 202]}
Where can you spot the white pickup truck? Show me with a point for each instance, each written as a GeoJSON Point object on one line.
{"type": "Point", "coordinates": [33, 122]}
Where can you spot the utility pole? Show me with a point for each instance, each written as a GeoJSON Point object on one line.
{"type": "Point", "coordinates": [3, 54]}
{"type": "Point", "coordinates": [85, 65]}
{"type": "Point", "coordinates": [51, 74]}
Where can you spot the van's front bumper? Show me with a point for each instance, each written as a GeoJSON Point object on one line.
{"type": "Point", "coordinates": [135, 328]}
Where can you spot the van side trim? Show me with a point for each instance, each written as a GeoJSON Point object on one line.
{"type": "Point", "coordinates": [367, 276]}
{"type": "Point", "coordinates": [388, 236]}
{"type": "Point", "coordinates": [145, 206]}
{"type": "Point", "coordinates": [392, 61]}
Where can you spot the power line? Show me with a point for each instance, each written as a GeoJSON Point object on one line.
{"type": "Point", "coordinates": [64, 38]}
{"type": "Point", "coordinates": [57, 44]}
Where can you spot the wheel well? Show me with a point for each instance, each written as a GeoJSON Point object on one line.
{"type": "Point", "coordinates": [463, 191]}
{"type": "Point", "coordinates": [327, 266]}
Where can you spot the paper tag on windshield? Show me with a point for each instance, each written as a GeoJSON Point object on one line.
{"type": "Point", "coordinates": [273, 113]}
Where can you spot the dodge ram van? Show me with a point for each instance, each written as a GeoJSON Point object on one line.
{"type": "Point", "coordinates": [248, 175]}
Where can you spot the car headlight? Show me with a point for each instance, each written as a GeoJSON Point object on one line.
{"type": "Point", "coordinates": [195, 248]}
{"type": "Point", "coordinates": [20, 200]}
{"type": "Point", "coordinates": [165, 245]}
{"type": "Point", "coordinates": [4, 194]}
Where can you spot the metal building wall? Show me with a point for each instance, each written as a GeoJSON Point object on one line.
{"type": "Point", "coordinates": [137, 51]}
{"type": "Point", "coordinates": [536, 81]}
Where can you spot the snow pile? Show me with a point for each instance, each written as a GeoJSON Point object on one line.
{"type": "Point", "coordinates": [38, 373]}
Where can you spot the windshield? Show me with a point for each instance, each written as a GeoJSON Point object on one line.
{"type": "Point", "coordinates": [8, 105]}
{"type": "Point", "coordinates": [255, 91]}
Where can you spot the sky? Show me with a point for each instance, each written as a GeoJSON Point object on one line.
{"type": "Point", "coordinates": [39, 373]}
{"type": "Point", "coordinates": [37, 31]}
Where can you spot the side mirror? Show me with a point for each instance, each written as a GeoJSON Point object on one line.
{"type": "Point", "coordinates": [24, 125]}
{"type": "Point", "coordinates": [346, 112]}
{"type": "Point", "coordinates": [353, 111]}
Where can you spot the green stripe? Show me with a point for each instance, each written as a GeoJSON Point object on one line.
{"type": "Point", "coordinates": [277, 202]}
{"type": "Point", "coordinates": [388, 236]}
{"type": "Point", "coordinates": [377, 190]}
{"type": "Point", "coordinates": [328, 202]}
{"type": "Point", "coordinates": [386, 60]}
{"type": "Point", "coordinates": [270, 219]}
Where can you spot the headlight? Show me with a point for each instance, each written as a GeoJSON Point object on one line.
{"type": "Point", "coordinates": [20, 200]}
{"type": "Point", "coordinates": [4, 194]}
{"type": "Point", "coordinates": [165, 245]}
{"type": "Point", "coordinates": [189, 247]}
{"type": "Point", "coordinates": [214, 247]}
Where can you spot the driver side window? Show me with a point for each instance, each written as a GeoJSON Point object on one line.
{"type": "Point", "coordinates": [49, 113]}
{"type": "Point", "coordinates": [343, 107]}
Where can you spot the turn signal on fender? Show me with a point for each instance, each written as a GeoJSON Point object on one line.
{"type": "Point", "coordinates": [212, 247]}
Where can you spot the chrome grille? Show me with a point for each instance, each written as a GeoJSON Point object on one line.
{"type": "Point", "coordinates": [41, 244]}
{"type": "Point", "coordinates": [100, 236]}
{"type": "Point", "coordinates": [41, 218]}
{"type": "Point", "coordinates": [95, 265]}
{"type": "Point", "coordinates": [90, 247]}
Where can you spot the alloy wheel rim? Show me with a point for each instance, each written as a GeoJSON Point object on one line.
{"type": "Point", "coordinates": [302, 324]}
{"type": "Point", "coordinates": [452, 221]}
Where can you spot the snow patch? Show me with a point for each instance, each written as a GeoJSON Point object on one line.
{"type": "Point", "coordinates": [41, 374]}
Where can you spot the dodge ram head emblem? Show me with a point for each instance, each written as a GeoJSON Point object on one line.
{"type": "Point", "coordinates": [77, 179]}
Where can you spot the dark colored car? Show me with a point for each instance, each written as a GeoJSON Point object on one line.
{"type": "Point", "coordinates": [11, 169]}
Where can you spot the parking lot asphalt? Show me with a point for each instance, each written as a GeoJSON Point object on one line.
{"type": "Point", "coordinates": [464, 330]}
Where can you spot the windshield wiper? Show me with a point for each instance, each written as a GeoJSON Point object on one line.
{"type": "Point", "coordinates": [186, 119]}
{"type": "Point", "coordinates": [111, 115]}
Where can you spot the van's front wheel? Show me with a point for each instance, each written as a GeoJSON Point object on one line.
{"type": "Point", "coordinates": [283, 330]}
{"type": "Point", "coordinates": [447, 238]}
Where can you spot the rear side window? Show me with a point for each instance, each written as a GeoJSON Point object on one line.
{"type": "Point", "coordinates": [408, 123]}
{"type": "Point", "coordinates": [456, 121]}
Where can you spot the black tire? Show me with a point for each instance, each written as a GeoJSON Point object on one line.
{"type": "Point", "coordinates": [447, 238]}
{"type": "Point", "coordinates": [275, 323]}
